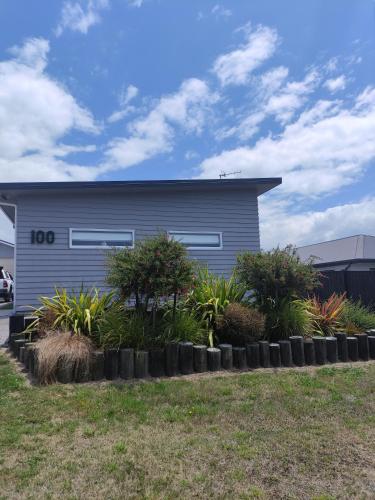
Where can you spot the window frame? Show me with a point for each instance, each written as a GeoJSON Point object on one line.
{"type": "Point", "coordinates": [196, 248]}
{"type": "Point", "coordinates": [99, 247]}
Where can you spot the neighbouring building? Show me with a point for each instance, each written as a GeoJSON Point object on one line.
{"type": "Point", "coordinates": [65, 229]}
{"type": "Point", "coordinates": [354, 253]}
{"type": "Point", "coordinates": [7, 256]}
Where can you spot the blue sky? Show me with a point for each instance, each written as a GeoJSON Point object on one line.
{"type": "Point", "coordinates": [132, 89]}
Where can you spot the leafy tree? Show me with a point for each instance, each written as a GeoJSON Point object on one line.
{"type": "Point", "coordinates": [157, 268]}
{"type": "Point", "coordinates": [277, 274]}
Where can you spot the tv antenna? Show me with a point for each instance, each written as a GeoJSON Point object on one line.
{"type": "Point", "coordinates": [227, 174]}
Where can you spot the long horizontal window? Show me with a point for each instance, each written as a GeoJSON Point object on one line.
{"type": "Point", "coordinates": [101, 238]}
{"type": "Point", "coordinates": [198, 240]}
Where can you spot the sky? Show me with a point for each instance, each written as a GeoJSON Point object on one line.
{"type": "Point", "coordinates": [166, 89]}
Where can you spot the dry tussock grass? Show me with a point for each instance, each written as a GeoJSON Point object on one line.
{"type": "Point", "coordinates": [62, 349]}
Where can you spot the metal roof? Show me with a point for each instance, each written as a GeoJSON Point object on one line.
{"type": "Point", "coordinates": [261, 185]}
{"type": "Point", "coordinates": [7, 243]}
{"type": "Point", "coordinates": [357, 248]}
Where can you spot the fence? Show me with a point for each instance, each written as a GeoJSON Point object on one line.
{"type": "Point", "coordinates": [358, 285]}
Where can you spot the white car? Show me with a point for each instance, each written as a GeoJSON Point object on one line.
{"type": "Point", "coordinates": [6, 285]}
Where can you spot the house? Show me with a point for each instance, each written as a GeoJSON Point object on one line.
{"type": "Point", "coordinates": [354, 253]}
{"type": "Point", "coordinates": [7, 256]}
{"type": "Point", "coordinates": [65, 229]}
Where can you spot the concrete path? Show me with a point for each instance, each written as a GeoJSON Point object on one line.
{"type": "Point", "coordinates": [4, 330]}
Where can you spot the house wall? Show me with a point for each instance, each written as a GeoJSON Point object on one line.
{"type": "Point", "coordinates": [7, 258]}
{"type": "Point", "coordinates": [354, 266]}
{"type": "Point", "coordinates": [42, 267]}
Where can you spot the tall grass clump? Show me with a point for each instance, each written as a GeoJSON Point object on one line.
{"type": "Point", "coordinates": [62, 349]}
{"type": "Point", "coordinates": [356, 317]}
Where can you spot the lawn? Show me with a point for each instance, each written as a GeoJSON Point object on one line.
{"type": "Point", "coordinates": [287, 434]}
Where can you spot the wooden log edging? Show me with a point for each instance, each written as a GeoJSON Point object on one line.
{"type": "Point", "coordinates": [184, 358]}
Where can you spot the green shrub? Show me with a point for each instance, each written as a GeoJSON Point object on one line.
{"type": "Point", "coordinates": [276, 275]}
{"type": "Point", "coordinates": [286, 318]}
{"type": "Point", "coordinates": [356, 317]}
{"type": "Point", "coordinates": [155, 269]}
{"type": "Point", "coordinates": [77, 313]}
{"type": "Point", "coordinates": [183, 326]}
{"type": "Point", "coordinates": [122, 327]}
{"type": "Point", "coordinates": [240, 325]}
{"type": "Point", "coordinates": [211, 295]}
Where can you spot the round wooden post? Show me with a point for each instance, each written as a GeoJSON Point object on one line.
{"type": "Point", "coordinates": [64, 372]}
{"type": "Point", "coordinates": [156, 362]}
{"type": "Point", "coordinates": [342, 346]}
{"type": "Point", "coordinates": [253, 355]}
{"type": "Point", "coordinates": [213, 359]}
{"type": "Point", "coordinates": [331, 343]}
{"type": "Point", "coordinates": [309, 352]}
{"type": "Point", "coordinates": [97, 365]}
{"type": "Point", "coordinates": [127, 364]}
{"type": "Point", "coordinates": [26, 355]}
{"type": "Point", "coordinates": [353, 348]}
{"type": "Point", "coordinates": [275, 357]}
{"type": "Point", "coordinates": [363, 347]}
{"type": "Point", "coordinates": [298, 354]}
{"type": "Point", "coordinates": [17, 345]}
{"type": "Point", "coordinates": [171, 359]}
{"type": "Point", "coordinates": [264, 352]}
{"type": "Point", "coordinates": [200, 358]}
{"type": "Point", "coordinates": [16, 323]}
{"type": "Point", "coordinates": [320, 346]}
{"type": "Point", "coordinates": [141, 364]}
{"type": "Point", "coordinates": [239, 357]}
{"type": "Point", "coordinates": [285, 352]}
{"type": "Point", "coordinates": [186, 357]}
{"type": "Point", "coordinates": [22, 354]}
{"type": "Point", "coordinates": [111, 364]}
{"type": "Point", "coordinates": [371, 345]}
{"type": "Point", "coordinates": [226, 356]}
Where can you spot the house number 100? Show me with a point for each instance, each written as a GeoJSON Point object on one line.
{"type": "Point", "coordinates": [42, 237]}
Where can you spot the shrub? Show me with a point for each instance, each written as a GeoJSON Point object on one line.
{"type": "Point", "coordinates": [155, 269]}
{"type": "Point", "coordinates": [326, 316]}
{"type": "Point", "coordinates": [77, 313]}
{"type": "Point", "coordinates": [277, 274]}
{"type": "Point", "coordinates": [210, 297]}
{"type": "Point", "coordinates": [240, 324]}
{"type": "Point", "coordinates": [63, 349]}
{"type": "Point", "coordinates": [122, 327]}
{"type": "Point", "coordinates": [184, 326]}
{"type": "Point", "coordinates": [356, 317]}
{"type": "Point", "coordinates": [287, 318]}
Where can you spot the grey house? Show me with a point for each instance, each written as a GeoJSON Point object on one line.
{"type": "Point", "coordinates": [7, 256]}
{"type": "Point", "coordinates": [64, 229]}
{"type": "Point", "coordinates": [354, 253]}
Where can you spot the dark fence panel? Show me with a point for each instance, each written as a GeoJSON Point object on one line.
{"type": "Point", "coordinates": [358, 285]}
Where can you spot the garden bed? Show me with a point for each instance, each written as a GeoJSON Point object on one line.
{"type": "Point", "coordinates": [185, 358]}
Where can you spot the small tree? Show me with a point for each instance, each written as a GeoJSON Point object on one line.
{"type": "Point", "coordinates": [156, 268]}
{"type": "Point", "coordinates": [276, 278]}
{"type": "Point", "coordinates": [277, 274]}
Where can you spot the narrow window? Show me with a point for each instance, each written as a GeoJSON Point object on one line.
{"type": "Point", "coordinates": [101, 238]}
{"type": "Point", "coordinates": [198, 240]}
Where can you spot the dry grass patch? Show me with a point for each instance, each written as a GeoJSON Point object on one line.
{"type": "Point", "coordinates": [255, 435]}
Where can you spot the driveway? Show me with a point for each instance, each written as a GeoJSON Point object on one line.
{"type": "Point", "coordinates": [4, 330]}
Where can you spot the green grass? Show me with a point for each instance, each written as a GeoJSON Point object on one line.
{"type": "Point", "coordinates": [290, 434]}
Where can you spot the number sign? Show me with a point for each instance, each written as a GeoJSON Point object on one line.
{"type": "Point", "coordinates": [39, 237]}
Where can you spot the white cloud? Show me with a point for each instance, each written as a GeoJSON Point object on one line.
{"type": "Point", "coordinates": [234, 68]}
{"type": "Point", "coordinates": [126, 96]}
{"type": "Point", "coordinates": [335, 84]}
{"type": "Point", "coordinates": [221, 11]}
{"type": "Point", "coordinates": [154, 134]}
{"type": "Point", "coordinates": [281, 227]}
{"type": "Point", "coordinates": [80, 16]}
{"type": "Point", "coordinates": [135, 3]}
{"type": "Point", "coordinates": [327, 147]}
{"type": "Point", "coordinates": [36, 112]}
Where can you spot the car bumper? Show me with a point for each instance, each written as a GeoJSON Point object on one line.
{"type": "Point", "coordinates": [4, 292]}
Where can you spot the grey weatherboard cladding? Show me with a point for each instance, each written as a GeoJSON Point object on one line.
{"type": "Point", "coordinates": [39, 268]}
